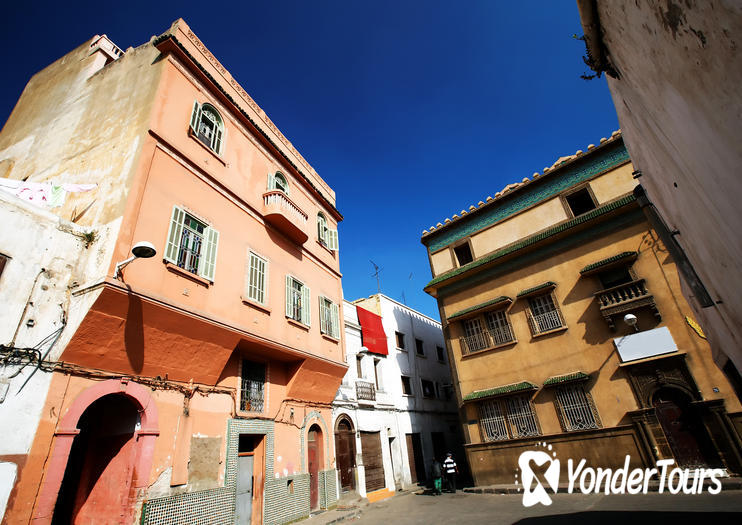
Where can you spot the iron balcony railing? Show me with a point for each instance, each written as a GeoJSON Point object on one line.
{"type": "Point", "coordinates": [365, 391]}
{"type": "Point", "coordinates": [544, 322]}
{"type": "Point", "coordinates": [486, 339]}
{"type": "Point", "coordinates": [622, 294]}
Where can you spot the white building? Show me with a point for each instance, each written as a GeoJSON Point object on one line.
{"type": "Point", "coordinates": [394, 411]}
{"type": "Point", "coordinates": [44, 263]}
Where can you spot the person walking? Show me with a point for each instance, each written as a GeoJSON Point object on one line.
{"type": "Point", "coordinates": [450, 468]}
{"type": "Point", "coordinates": [436, 472]}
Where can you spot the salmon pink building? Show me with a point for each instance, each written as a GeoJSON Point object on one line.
{"type": "Point", "coordinates": [193, 384]}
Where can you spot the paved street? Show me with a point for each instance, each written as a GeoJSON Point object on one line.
{"type": "Point", "coordinates": [411, 508]}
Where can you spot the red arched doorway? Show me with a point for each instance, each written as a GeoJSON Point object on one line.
{"type": "Point", "coordinates": [345, 453]}
{"type": "Point", "coordinates": [97, 479]}
{"type": "Point", "coordinates": [684, 429]}
{"type": "Point", "coordinates": [114, 427]}
{"type": "Point", "coordinates": [315, 461]}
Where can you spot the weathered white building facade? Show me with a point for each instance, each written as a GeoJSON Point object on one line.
{"type": "Point", "coordinates": [393, 412]}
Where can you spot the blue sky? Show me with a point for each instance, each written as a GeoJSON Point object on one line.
{"type": "Point", "coordinates": [411, 111]}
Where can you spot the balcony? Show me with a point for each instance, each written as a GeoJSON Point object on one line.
{"type": "Point", "coordinates": [281, 212]}
{"type": "Point", "coordinates": [624, 298]}
{"type": "Point", "coordinates": [545, 322]}
{"type": "Point", "coordinates": [486, 339]}
{"type": "Point", "coordinates": [365, 391]}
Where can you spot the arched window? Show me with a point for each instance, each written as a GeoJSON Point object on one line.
{"type": "Point", "coordinates": [207, 126]}
{"type": "Point", "coordinates": [277, 181]}
{"type": "Point", "coordinates": [327, 237]}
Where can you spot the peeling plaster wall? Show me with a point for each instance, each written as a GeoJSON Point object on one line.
{"type": "Point", "coordinates": [679, 105]}
{"type": "Point", "coordinates": [74, 124]}
{"type": "Point", "coordinates": [48, 260]}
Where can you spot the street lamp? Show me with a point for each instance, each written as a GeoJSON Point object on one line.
{"type": "Point", "coordinates": [141, 250]}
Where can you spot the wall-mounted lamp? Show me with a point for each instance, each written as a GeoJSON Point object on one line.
{"type": "Point", "coordinates": [631, 320]}
{"type": "Point", "coordinates": [141, 250]}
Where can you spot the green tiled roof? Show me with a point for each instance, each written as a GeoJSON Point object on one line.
{"type": "Point", "coordinates": [501, 299]}
{"type": "Point", "coordinates": [547, 284]}
{"type": "Point", "coordinates": [609, 260]}
{"type": "Point", "coordinates": [574, 376]}
{"type": "Point", "coordinates": [506, 389]}
{"type": "Point", "coordinates": [535, 238]}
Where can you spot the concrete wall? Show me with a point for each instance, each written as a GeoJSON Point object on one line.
{"type": "Point", "coordinates": [679, 106]}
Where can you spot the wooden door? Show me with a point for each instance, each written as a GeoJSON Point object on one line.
{"type": "Point", "coordinates": [314, 452]}
{"type": "Point", "coordinates": [372, 461]}
{"type": "Point", "coordinates": [683, 429]}
{"type": "Point", "coordinates": [415, 457]}
{"type": "Point", "coordinates": [345, 452]}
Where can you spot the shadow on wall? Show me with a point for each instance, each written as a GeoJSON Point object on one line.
{"type": "Point", "coordinates": [134, 334]}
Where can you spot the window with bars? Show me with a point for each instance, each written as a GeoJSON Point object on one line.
{"type": "Point", "coordinates": [191, 244]}
{"type": "Point", "coordinates": [256, 279]}
{"type": "Point", "coordinates": [207, 126]}
{"type": "Point", "coordinates": [576, 408]}
{"type": "Point", "coordinates": [297, 300]}
{"type": "Point", "coordinates": [507, 418]}
{"type": "Point", "coordinates": [543, 314]}
{"type": "Point", "coordinates": [329, 318]}
{"type": "Point", "coordinates": [252, 386]}
{"type": "Point", "coordinates": [489, 331]}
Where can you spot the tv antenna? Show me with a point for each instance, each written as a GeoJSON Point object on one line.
{"type": "Point", "coordinates": [377, 270]}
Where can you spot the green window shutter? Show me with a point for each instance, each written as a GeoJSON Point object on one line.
{"type": "Point", "coordinates": [335, 316]}
{"type": "Point", "coordinates": [195, 116]}
{"type": "Point", "coordinates": [332, 239]}
{"type": "Point", "coordinates": [207, 262]}
{"type": "Point", "coordinates": [322, 317]}
{"type": "Point", "coordinates": [305, 306]}
{"type": "Point", "coordinates": [256, 277]}
{"type": "Point", "coordinates": [172, 245]}
{"type": "Point", "coordinates": [271, 181]}
{"type": "Point", "coordinates": [217, 140]}
{"type": "Point", "coordinates": [289, 297]}
{"type": "Point", "coordinates": [247, 290]}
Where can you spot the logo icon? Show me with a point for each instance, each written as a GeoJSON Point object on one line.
{"type": "Point", "coordinates": [539, 475]}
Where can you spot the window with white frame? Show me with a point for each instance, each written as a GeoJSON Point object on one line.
{"type": "Point", "coordinates": [507, 418]}
{"type": "Point", "coordinates": [544, 315]}
{"type": "Point", "coordinates": [252, 386]}
{"type": "Point", "coordinates": [256, 280]}
{"type": "Point", "coordinates": [576, 408]}
{"type": "Point", "coordinates": [329, 318]}
{"type": "Point", "coordinates": [277, 181]}
{"type": "Point", "coordinates": [326, 236]}
{"type": "Point", "coordinates": [297, 300]}
{"type": "Point", "coordinates": [191, 244]}
{"type": "Point", "coordinates": [207, 126]}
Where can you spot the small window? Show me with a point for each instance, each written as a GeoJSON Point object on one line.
{"type": "Point", "coordinates": [257, 270]}
{"type": "Point", "coordinates": [207, 126]}
{"type": "Point", "coordinates": [297, 300]}
{"type": "Point", "coordinates": [419, 347]}
{"type": "Point", "coordinates": [191, 244]}
{"type": "Point", "coordinates": [329, 318]}
{"type": "Point", "coordinates": [377, 373]}
{"type": "Point", "coordinates": [463, 254]}
{"type": "Point", "coordinates": [428, 389]}
{"type": "Point", "coordinates": [406, 386]}
{"type": "Point", "coordinates": [580, 202]}
{"type": "Point", "coordinates": [400, 340]}
{"type": "Point", "coordinates": [543, 314]}
{"type": "Point", "coordinates": [441, 353]}
{"type": "Point", "coordinates": [576, 409]}
{"type": "Point", "coordinates": [252, 386]}
{"type": "Point", "coordinates": [277, 181]}
{"type": "Point", "coordinates": [327, 237]}
{"type": "Point", "coordinates": [359, 366]}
